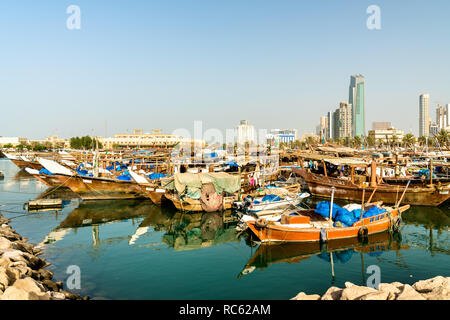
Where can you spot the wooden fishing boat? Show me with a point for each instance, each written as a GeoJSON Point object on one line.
{"type": "Point", "coordinates": [309, 226]}
{"type": "Point", "coordinates": [46, 179]}
{"type": "Point", "coordinates": [195, 205]}
{"type": "Point", "coordinates": [321, 185]}
{"type": "Point", "coordinates": [274, 202]}
{"type": "Point", "coordinates": [23, 162]}
{"type": "Point", "coordinates": [100, 188]}
{"type": "Point", "coordinates": [154, 191]}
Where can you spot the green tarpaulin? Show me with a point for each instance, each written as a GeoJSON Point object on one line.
{"type": "Point", "coordinates": [191, 183]}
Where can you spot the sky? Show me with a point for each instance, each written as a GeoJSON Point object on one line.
{"type": "Point", "coordinates": [164, 64]}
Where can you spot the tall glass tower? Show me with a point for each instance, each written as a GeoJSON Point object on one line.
{"type": "Point", "coordinates": [357, 99]}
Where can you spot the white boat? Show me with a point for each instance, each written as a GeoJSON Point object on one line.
{"type": "Point", "coordinates": [272, 202]}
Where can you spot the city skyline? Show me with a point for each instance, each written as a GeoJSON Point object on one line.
{"type": "Point", "coordinates": [161, 65]}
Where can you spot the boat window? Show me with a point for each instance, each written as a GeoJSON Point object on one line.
{"type": "Point", "coordinates": [371, 220]}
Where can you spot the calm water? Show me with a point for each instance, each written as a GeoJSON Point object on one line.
{"type": "Point", "coordinates": [135, 250]}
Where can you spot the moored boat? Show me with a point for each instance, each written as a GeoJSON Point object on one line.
{"type": "Point", "coordinates": [308, 226]}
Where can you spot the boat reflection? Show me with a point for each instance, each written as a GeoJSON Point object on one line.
{"type": "Point", "coordinates": [333, 251]}
{"type": "Point", "coordinates": [188, 231]}
{"type": "Point", "coordinates": [93, 213]}
{"type": "Point", "coordinates": [180, 231]}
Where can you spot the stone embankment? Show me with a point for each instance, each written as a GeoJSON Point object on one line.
{"type": "Point", "coordinates": [23, 275]}
{"type": "Point", "coordinates": [437, 288]}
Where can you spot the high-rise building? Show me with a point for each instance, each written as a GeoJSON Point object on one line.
{"type": "Point", "coordinates": [424, 118]}
{"type": "Point", "coordinates": [381, 125]}
{"type": "Point", "coordinates": [343, 121]}
{"type": "Point", "coordinates": [245, 133]}
{"type": "Point", "coordinates": [357, 100]}
{"type": "Point", "coordinates": [434, 129]}
{"type": "Point", "coordinates": [330, 129]}
{"type": "Point", "coordinates": [323, 127]}
{"type": "Point", "coordinates": [442, 117]}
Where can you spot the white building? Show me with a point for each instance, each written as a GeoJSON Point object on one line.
{"type": "Point", "coordinates": [424, 118]}
{"type": "Point", "coordinates": [281, 135]}
{"type": "Point", "coordinates": [14, 141]}
{"type": "Point", "coordinates": [138, 139]}
{"type": "Point", "coordinates": [387, 135]}
{"type": "Point", "coordinates": [245, 133]}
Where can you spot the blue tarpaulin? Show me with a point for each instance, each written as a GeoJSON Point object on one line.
{"type": "Point", "coordinates": [45, 171]}
{"type": "Point", "coordinates": [156, 175]}
{"type": "Point", "coordinates": [345, 217]}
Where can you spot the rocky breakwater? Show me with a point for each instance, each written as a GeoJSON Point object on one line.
{"type": "Point", "coordinates": [437, 288]}
{"type": "Point", "coordinates": [23, 275]}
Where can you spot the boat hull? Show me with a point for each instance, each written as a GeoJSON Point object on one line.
{"type": "Point", "coordinates": [89, 188]}
{"type": "Point", "coordinates": [24, 164]}
{"type": "Point", "coordinates": [285, 233]}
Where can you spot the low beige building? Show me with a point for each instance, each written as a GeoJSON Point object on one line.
{"type": "Point", "coordinates": [387, 134]}
{"type": "Point", "coordinates": [138, 139]}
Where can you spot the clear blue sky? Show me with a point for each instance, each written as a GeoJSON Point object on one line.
{"type": "Point", "coordinates": [163, 64]}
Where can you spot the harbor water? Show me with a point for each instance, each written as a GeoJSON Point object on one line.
{"type": "Point", "coordinates": [132, 249]}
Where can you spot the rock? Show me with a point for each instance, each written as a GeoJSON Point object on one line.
{"type": "Point", "coordinates": [17, 255]}
{"type": "Point", "coordinates": [57, 296]}
{"type": "Point", "coordinates": [5, 278]}
{"type": "Point", "coordinates": [304, 296]}
{"type": "Point", "coordinates": [4, 262]}
{"type": "Point", "coordinates": [50, 285]}
{"type": "Point", "coordinates": [29, 285]}
{"type": "Point", "coordinates": [392, 289]}
{"type": "Point", "coordinates": [429, 285]}
{"type": "Point", "coordinates": [45, 274]}
{"type": "Point", "coordinates": [379, 295]}
{"type": "Point", "coordinates": [14, 293]}
{"type": "Point", "coordinates": [333, 293]}
{"type": "Point", "coordinates": [408, 293]}
{"type": "Point", "coordinates": [69, 295]}
{"type": "Point", "coordinates": [353, 292]}
{"type": "Point", "coordinates": [348, 284]}
{"type": "Point", "coordinates": [5, 243]}
{"type": "Point", "coordinates": [437, 288]}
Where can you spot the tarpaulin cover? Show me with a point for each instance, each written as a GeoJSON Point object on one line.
{"type": "Point", "coordinates": [345, 217]}
{"type": "Point", "coordinates": [222, 181]}
{"type": "Point", "coordinates": [155, 175]}
{"type": "Point", "coordinates": [124, 178]}
{"type": "Point", "coordinates": [269, 198]}
{"type": "Point", "coordinates": [45, 171]}
{"type": "Point", "coordinates": [231, 163]}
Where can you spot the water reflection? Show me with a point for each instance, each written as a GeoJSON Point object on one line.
{"type": "Point", "coordinates": [181, 231]}
{"type": "Point", "coordinates": [194, 231]}
{"type": "Point", "coordinates": [336, 251]}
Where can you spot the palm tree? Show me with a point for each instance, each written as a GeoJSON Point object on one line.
{"type": "Point", "coordinates": [422, 140]}
{"type": "Point", "coordinates": [443, 137]}
{"type": "Point", "coordinates": [356, 141]}
{"type": "Point", "coordinates": [394, 141]}
{"type": "Point", "coordinates": [409, 140]}
{"type": "Point", "coordinates": [371, 141]}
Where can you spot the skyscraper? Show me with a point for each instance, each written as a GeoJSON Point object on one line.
{"type": "Point", "coordinates": [441, 117]}
{"type": "Point", "coordinates": [343, 121]}
{"type": "Point", "coordinates": [357, 99]}
{"type": "Point", "coordinates": [424, 118]}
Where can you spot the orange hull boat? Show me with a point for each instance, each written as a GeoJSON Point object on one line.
{"type": "Point", "coordinates": [310, 227]}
